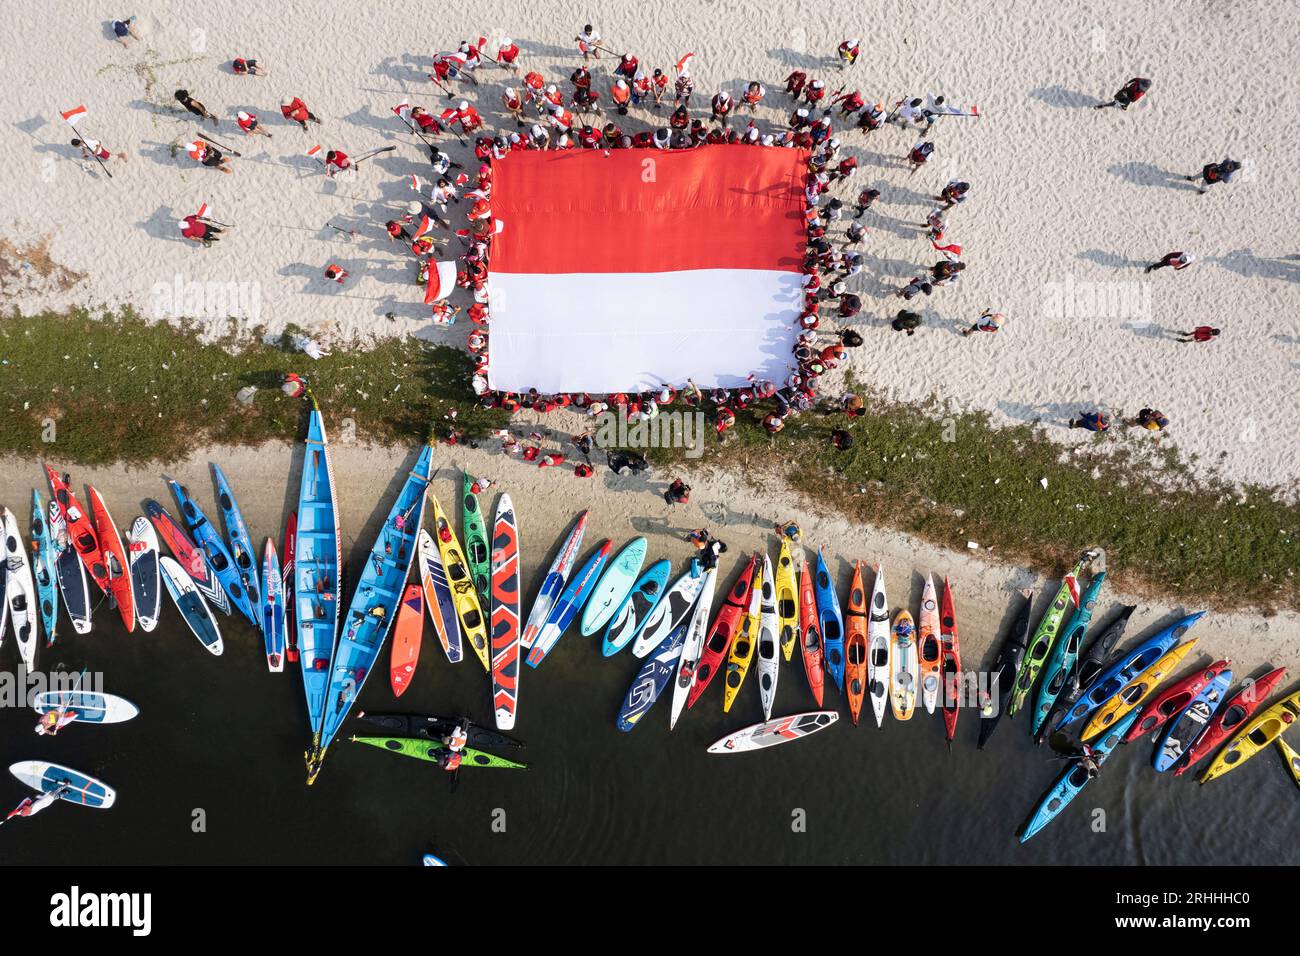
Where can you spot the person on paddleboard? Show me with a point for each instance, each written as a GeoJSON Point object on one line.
{"type": "Point", "coordinates": [53, 721]}
{"type": "Point", "coordinates": [34, 805]}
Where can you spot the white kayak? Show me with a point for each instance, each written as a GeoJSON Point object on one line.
{"type": "Point", "coordinates": [773, 732]}
{"type": "Point", "coordinates": [769, 646]}
{"type": "Point", "coordinates": [693, 645]}
{"type": "Point", "coordinates": [929, 650]}
{"type": "Point", "coordinates": [878, 648]}
{"type": "Point", "coordinates": [19, 590]}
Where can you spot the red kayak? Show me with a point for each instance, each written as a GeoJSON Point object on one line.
{"type": "Point", "coordinates": [855, 644]}
{"type": "Point", "coordinates": [950, 668]}
{"type": "Point", "coordinates": [724, 629]}
{"type": "Point", "coordinates": [810, 635]}
{"type": "Point", "coordinates": [1173, 699]}
{"type": "Point", "coordinates": [1230, 717]}
{"type": "Point", "coordinates": [81, 532]}
{"type": "Point", "coordinates": [113, 559]}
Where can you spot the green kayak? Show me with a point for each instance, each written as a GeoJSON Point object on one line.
{"type": "Point", "coordinates": [476, 540]}
{"type": "Point", "coordinates": [428, 750]}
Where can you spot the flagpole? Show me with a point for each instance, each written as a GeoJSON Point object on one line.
{"type": "Point", "coordinates": [207, 138]}
{"type": "Point", "coordinates": [94, 154]}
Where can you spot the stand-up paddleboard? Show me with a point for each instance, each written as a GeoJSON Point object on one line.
{"type": "Point", "coordinates": [613, 585]}
{"type": "Point", "coordinates": [723, 632]}
{"type": "Point", "coordinates": [437, 597]}
{"type": "Point", "coordinates": [114, 558]}
{"type": "Point", "coordinates": [769, 646]}
{"type": "Point", "coordinates": [830, 620]}
{"type": "Point", "coordinates": [636, 607]}
{"type": "Point", "coordinates": [90, 707]}
{"type": "Point", "coordinates": [43, 570]}
{"type": "Point", "coordinates": [693, 645]}
{"type": "Point", "coordinates": [787, 598]}
{"type": "Point", "coordinates": [770, 733]}
{"type": "Point", "coordinates": [191, 604]}
{"type": "Point", "coordinates": [810, 635]}
{"type": "Point", "coordinates": [929, 654]}
{"type": "Point", "coordinates": [741, 654]}
{"type": "Point", "coordinates": [240, 541]}
{"type": "Point", "coordinates": [473, 625]}
{"type": "Point", "coordinates": [903, 674]}
{"type": "Point", "coordinates": [80, 527]}
{"type": "Point", "coordinates": [553, 583]}
{"type": "Point", "coordinates": [189, 557]}
{"type": "Point", "coordinates": [71, 572]}
{"type": "Point", "coordinates": [146, 582]}
{"type": "Point", "coordinates": [407, 637]}
{"type": "Point", "coordinates": [505, 613]}
{"type": "Point", "coordinates": [651, 679]}
{"type": "Point", "coordinates": [78, 788]}
{"type": "Point", "coordinates": [567, 606]}
{"type": "Point", "coordinates": [673, 610]}
{"type": "Point", "coordinates": [273, 605]}
{"type": "Point", "coordinates": [19, 592]}
{"type": "Point", "coordinates": [286, 587]}
{"type": "Point", "coordinates": [879, 648]}
{"type": "Point", "coordinates": [855, 643]}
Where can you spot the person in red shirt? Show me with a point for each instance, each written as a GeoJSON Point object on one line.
{"type": "Point", "coordinates": [293, 108]}
{"type": "Point", "coordinates": [336, 161]}
{"type": "Point", "coordinates": [794, 83]}
{"type": "Point", "coordinates": [336, 273]}
{"type": "Point", "coordinates": [194, 228]}
{"type": "Point", "coordinates": [583, 470]}
{"type": "Point", "coordinates": [507, 55]}
{"type": "Point", "coordinates": [1175, 260]}
{"type": "Point", "coordinates": [1202, 333]}
{"type": "Point", "coordinates": [248, 122]}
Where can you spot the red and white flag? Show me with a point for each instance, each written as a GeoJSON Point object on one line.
{"type": "Point", "coordinates": [953, 248]}
{"type": "Point", "coordinates": [1072, 585]}
{"type": "Point", "coordinates": [74, 114]}
{"type": "Point", "coordinates": [441, 281]}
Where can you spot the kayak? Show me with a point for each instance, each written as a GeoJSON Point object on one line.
{"type": "Point", "coordinates": [373, 608]}
{"type": "Point", "coordinates": [773, 732]}
{"type": "Point", "coordinates": [435, 728]}
{"type": "Point", "coordinates": [1290, 758]}
{"type": "Point", "coordinates": [651, 679]}
{"type": "Point", "coordinates": [146, 585]}
{"type": "Point", "coordinates": [636, 607]}
{"type": "Point", "coordinates": [855, 644]}
{"type": "Point", "coordinates": [286, 586]}
{"type": "Point", "coordinates": [70, 572]}
{"type": "Point", "coordinates": [725, 626]}
{"type": "Point", "coordinates": [929, 656]}
{"type": "Point", "coordinates": [80, 528]}
{"type": "Point", "coordinates": [878, 648]}
{"type": "Point", "coordinates": [1255, 736]}
{"type": "Point", "coordinates": [951, 666]}
{"type": "Point", "coordinates": [19, 592]}
{"type": "Point", "coordinates": [1074, 779]}
{"type": "Point", "coordinates": [1065, 653]}
{"type": "Point", "coordinates": [1045, 634]}
{"type": "Point", "coordinates": [437, 596]}
{"type": "Point", "coordinates": [272, 609]}
{"type": "Point", "coordinates": [670, 612]}
{"type": "Point", "coordinates": [469, 612]}
{"type": "Point", "coordinates": [187, 555]}
{"type": "Point", "coordinates": [742, 647]}
{"type": "Point", "coordinates": [1175, 698]}
{"type": "Point", "coordinates": [810, 635]}
{"type": "Point", "coordinates": [769, 646]}
{"type": "Point", "coordinates": [1230, 716]}
{"type": "Point", "coordinates": [612, 587]}
{"type": "Point", "coordinates": [215, 553]}
{"type": "Point", "coordinates": [1184, 728]}
{"type": "Point", "coordinates": [903, 667]}
{"type": "Point", "coordinates": [787, 598]}
{"type": "Point", "coordinates": [830, 621]}
{"type": "Point", "coordinates": [1131, 696]}
{"type": "Point", "coordinates": [429, 859]}
{"type": "Point", "coordinates": [317, 568]}
{"type": "Point", "coordinates": [190, 603]}
{"type": "Point", "coordinates": [407, 634]}
{"type": "Point", "coordinates": [431, 749]}
{"type": "Point", "coordinates": [43, 569]}
{"type": "Point", "coordinates": [554, 581]}
{"type": "Point", "coordinates": [90, 707]}
{"type": "Point", "coordinates": [1095, 659]}
{"type": "Point", "coordinates": [79, 788]}
{"type": "Point", "coordinates": [240, 541]}
{"type": "Point", "coordinates": [1126, 666]}
{"type": "Point", "coordinates": [569, 602]}
{"type": "Point", "coordinates": [1003, 680]}
{"type": "Point", "coordinates": [116, 564]}
{"type": "Point", "coordinates": [504, 562]}
{"type": "Point", "coordinates": [474, 529]}
{"type": "Point", "coordinates": [693, 645]}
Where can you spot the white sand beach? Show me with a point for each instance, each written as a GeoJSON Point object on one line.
{"type": "Point", "coordinates": [1067, 203]}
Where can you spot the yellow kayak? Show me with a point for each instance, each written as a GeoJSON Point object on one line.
{"type": "Point", "coordinates": [742, 648]}
{"type": "Point", "coordinates": [468, 610]}
{"type": "Point", "coordinates": [1291, 758]}
{"type": "Point", "coordinates": [787, 598]}
{"type": "Point", "coordinates": [1137, 690]}
{"type": "Point", "coordinates": [1262, 730]}
{"type": "Point", "coordinates": [904, 671]}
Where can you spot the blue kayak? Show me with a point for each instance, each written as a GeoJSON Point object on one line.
{"type": "Point", "coordinates": [1188, 723]}
{"type": "Point", "coordinates": [566, 608]}
{"type": "Point", "coordinates": [370, 616]}
{"type": "Point", "coordinates": [652, 678]}
{"type": "Point", "coordinates": [215, 552]}
{"type": "Point", "coordinates": [1076, 778]}
{"type": "Point", "coordinates": [1126, 667]}
{"type": "Point", "coordinates": [831, 621]}
{"type": "Point", "coordinates": [635, 610]}
{"type": "Point", "coordinates": [43, 569]}
{"type": "Point", "coordinates": [241, 542]}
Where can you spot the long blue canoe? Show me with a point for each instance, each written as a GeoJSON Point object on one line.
{"type": "Point", "coordinates": [373, 609]}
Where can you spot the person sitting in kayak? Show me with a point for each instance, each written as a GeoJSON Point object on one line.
{"type": "Point", "coordinates": [55, 720]}
{"type": "Point", "coordinates": [1088, 761]}
{"type": "Point", "coordinates": [458, 738]}
{"type": "Point", "coordinates": [449, 760]}
{"type": "Point", "coordinates": [790, 530]}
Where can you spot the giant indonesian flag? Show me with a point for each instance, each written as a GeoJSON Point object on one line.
{"type": "Point", "coordinates": [625, 270]}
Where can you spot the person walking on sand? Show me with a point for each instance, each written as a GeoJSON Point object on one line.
{"type": "Point", "coordinates": [907, 322]}
{"type": "Point", "coordinates": [1212, 173]}
{"type": "Point", "coordinates": [1151, 419]}
{"type": "Point", "coordinates": [208, 155]}
{"type": "Point", "coordinates": [919, 155]}
{"type": "Point", "coordinates": [94, 149]}
{"type": "Point", "coordinates": [953, 194]}
{"type": "Point", "coordinates": [196, 230]}
{"type": "Point", "coordinates": [1202, 333]}
{"type": "Point", "coordinates": [124, 31]}
{"type": "Point", "coordinates": [1129, 93]}
{"type": "Point", "coordinates": [1175, 260]}
{"type": "Point", "coordinates": [588, 41]}
{"type": "Point", "coordinates": [848, 51]}
{"type": "Point", "coordinates": [293, 108]}
{"type": "Point", "coordinates": [989, 321]}
{"type": "Point", "coordinates": [194, 106]}
{"type": "Point", "coordinates": [678, 493]}
{"type": "Point", "coordinates": [1092, 421]}
{"type": "Point", "coordinates": [915, 287]}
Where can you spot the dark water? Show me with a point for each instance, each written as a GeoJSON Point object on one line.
{"type": "Point", "coordinates": [223, 736]}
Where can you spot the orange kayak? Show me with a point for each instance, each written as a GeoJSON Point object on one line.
{"type": "Point", "coordinates": [810, 634]}
{"type": "Point", "coordinates": [855, 644]}
{"type": "Point", "coordinates": [406, 639]}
